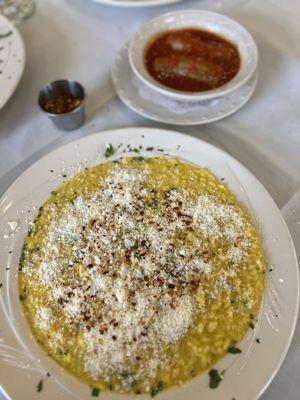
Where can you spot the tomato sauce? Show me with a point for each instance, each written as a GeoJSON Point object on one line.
{"type": "Point", "coordinates": [191, 60]}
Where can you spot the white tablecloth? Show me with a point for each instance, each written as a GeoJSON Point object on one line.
{"type": "Point", "coordinates": [79, 39]}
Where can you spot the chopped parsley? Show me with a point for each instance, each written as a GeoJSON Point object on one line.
{"type": "Point", "coordinates": [129, 378]}
{"type": "Point", "coordinates": [258, 340]}
{"type": "Point", "coordinates": [251, 324]}
{"type": "Point", "coordinates": [5, 35]}
{"type": "Point", "coordinates": [109, 151]}
{"type": "Point", "coordinates": [234, 350]}
{"type": "Point", "coordinates": [125, 374]}
{"type": "Point", "coordinates": [134, 247]}
{"type": "Point", "coordinates": [23, 296]}
{"type": "Point", "coordinates": [149, 148]}
{"type": "Point", "coordinates": [156, 389]}
{"type": "Point", "coordinates": [95, 392]}
{"type": "Point", "coordinates": [1, 284]}
{"type": "Point", "coordinates": [151, 203]}
{"type": "Point", "coordinates": [214, 378]}
{"type": "Point", "coordinates": [22, 259]}
{"type": "Point", "coordinates": [140, 158]}
{"type": "Point", "coordinates": [61, 352]}
{"type": "Point", "coordinates": [40, 385]}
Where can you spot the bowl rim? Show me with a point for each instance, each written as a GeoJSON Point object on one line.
{"type": "Point", "coordinates": [222, 90]}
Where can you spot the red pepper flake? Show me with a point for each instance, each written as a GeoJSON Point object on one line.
{"type": "Point", "coordinates": [62, 104]}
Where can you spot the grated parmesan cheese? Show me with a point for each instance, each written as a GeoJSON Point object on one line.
{"type": "Point", "coordinates": [119, 268]}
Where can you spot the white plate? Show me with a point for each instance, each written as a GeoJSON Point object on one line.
{"type": "Point", "coordinates": [23, 363]}
{"type": "Point", "coordinates": [12, 60]}
{"type": "Point", "coordinates": [136, 3]}
{"type": "Point", "coordinates": [151, 104]}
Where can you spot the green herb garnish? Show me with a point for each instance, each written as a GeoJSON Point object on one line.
{"type": "Point", "coordinates": [214, 378]}
{"type": "Point", "coordinates": [234, 350]}
{"type": "Point", "coordinates": [156, 389]}
{"type": "Point", "coordinates": [39, 387]}
{"type": "Point", "coordinates": [149, 148]}
{"type": "Point", "coordinates": [79, 325]}
{"type": "Point", "coordinates": [5, 35]}
{"type": "Point", "coordinates": [109, 151]}
{"type": "Point", "coordinates": [258, 340]}
{"type": "Point", "coordinates": [61, 352]}
{"type": "Point", "coordinates": [95, 392]}
{"type": "Point", "coordinates": [151, 203]}
{"type": "Point", "coordinates": [22, 297]}
{"type": "Point", "coordinates": [251, 324]}
{"type": "Point", "coordinates": [22, 259]}
{"type": "Point", "coordinates": [125, 374]}
{"type": "Point", "coordinates": [132, 248]}
{"type": "Point", "coordinates": [129, 377]}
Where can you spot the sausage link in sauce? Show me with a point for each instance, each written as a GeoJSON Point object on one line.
{"type": "Point", "coordinates": [191, 60]}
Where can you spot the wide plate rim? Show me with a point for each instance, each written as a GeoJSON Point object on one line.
{"type": "Point", "coordinates": [135, 130]}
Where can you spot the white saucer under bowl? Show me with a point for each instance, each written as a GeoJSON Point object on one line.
{"type": "Point", "coordinates": [158, 107]}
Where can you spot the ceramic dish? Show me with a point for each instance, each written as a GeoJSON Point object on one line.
{"type": "Point", "coordinates": [136, 3]}
{"type": "Point", "coordinates": [12, 59]}
{"type": "Point", "coordinates": [205, 20]}
{"type": "Point", "coordinates": [156, 106]}
{"type": "Point", "coordinates": [25, 369]}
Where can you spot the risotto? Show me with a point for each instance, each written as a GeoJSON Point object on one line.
{"type": "Point", "coordinates": [139, 274]}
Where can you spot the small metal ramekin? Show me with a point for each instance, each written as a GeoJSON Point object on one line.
{"type": "Point", "coordinates": [70, 120]}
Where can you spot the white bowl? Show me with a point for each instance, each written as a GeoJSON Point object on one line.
{"type": "Point", "coordinates": [205, 20]}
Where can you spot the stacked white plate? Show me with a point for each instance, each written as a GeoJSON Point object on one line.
{"type": "Point", "coordinates": [140, 92]}
{"type": "Point", "coordinates": [136, 3]}
{"type": "Point", "coordinates": [12, 59]}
